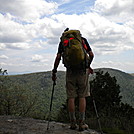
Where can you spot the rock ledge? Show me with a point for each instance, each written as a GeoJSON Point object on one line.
{"type": "Point", "coordinates": [20, 125]}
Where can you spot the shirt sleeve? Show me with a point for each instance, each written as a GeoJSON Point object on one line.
{"type": "Point", "coordinates": [87, 44]}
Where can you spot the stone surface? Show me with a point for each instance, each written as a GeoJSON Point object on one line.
{"type": "Point", "coordinates": [19, 125]}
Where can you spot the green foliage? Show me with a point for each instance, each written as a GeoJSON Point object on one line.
{"type": "Point", "coordinates": [31, 94]}
{"type": "Point", "coordinates": [112, 111]}
{"type": "Point", "coordinates": [63, 115]}
{"type": "Point", "coordinates": [14, 99]}
{"type": "Point", "coordinates": [106, 91]}
{"type": "Point", "coordinates": [113, 131]}
{"type": "Point", "coordinates": [126, 83]}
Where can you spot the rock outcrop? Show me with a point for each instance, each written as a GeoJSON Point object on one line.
{"type": "Point", "coordinates": [20, 125]}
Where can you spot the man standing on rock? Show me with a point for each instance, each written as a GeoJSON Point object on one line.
{"type": "Point", "coordinates": [77, 57]}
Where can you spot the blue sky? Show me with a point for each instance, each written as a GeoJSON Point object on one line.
{"type": "Point", "coordinates": [30, 32]}
{"type": "Point", "coordinates": [75, 6]}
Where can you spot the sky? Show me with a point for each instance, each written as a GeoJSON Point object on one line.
{"type": "Point", "coordinates": [30, 32]}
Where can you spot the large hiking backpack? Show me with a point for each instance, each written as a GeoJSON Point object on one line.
{"type": "Point", "coordinates": [74, 55]}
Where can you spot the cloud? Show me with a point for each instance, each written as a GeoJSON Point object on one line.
{"type": "Point", "coordinates": [28, 10]}
{"type": "Point", "coordinates": [3, 57]}
{"type": "Point", "coordinates": [11, 31]}
{"type": "Point", "coordinates": [19, 46]}
{"type": "Point", "coordinates": [115, 64]}
{"type": "Point", "coordinates": [37, 58]}
{"type": "Point", "coordinates": [105, 36]}
{"type": "Point", "coordinates": [30, 30]}
{"type": "Point", "coordinates": [15, 35]}
{"type": "Point", "coordinates": [97, 29]}
{"type": "Point", "coordinates": [2, 46]}
{"type": "Point", "coordinates": [116, 10]}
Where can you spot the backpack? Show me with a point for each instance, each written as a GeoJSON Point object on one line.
{"type": "Point", "coordinates": [74, 55]}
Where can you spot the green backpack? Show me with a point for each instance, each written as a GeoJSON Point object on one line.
{"type": "Point", "coordinates": [74, 55]}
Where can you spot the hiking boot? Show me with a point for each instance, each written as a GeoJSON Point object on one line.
{"type": "Point", "coordinates": [73, 125]}
{"type": "Point", "coordinates": [82, 126]}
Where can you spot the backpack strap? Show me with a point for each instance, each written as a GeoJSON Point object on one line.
{"type": "Point", "coordinates": [84, 45]}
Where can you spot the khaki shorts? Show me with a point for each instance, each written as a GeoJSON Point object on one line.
{"type": "Point", "coordinates": [77, 84]}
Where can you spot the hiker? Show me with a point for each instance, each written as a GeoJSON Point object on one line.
{"type": "Point", "coordinates": [77, 84]}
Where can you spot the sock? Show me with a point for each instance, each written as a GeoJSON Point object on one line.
{"type": "Point", "coordinates": [81, 116]}
{"type": "Point", "coordinates": [72, 116]}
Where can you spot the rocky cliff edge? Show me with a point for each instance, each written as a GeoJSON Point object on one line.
{"type": "Point", "coordinates": [20, 125]}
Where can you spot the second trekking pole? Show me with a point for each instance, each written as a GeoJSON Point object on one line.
{"type": "Point", "coordinates": [54, 83]}
{"type": "Point", "coordinates": [91, 92]}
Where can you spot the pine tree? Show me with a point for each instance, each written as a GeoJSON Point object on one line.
{"type": "Point", "coordinates": [106, 92]}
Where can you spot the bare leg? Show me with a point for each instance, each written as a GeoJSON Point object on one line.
{"type": "Point", "coordinates": [71, 105]}
{"type": "Point", "coordinates": [71, 109]}
{"type": "Point", "coordinates": [82, 109]}
{"type": "Point", "coordinates": [82, 105]}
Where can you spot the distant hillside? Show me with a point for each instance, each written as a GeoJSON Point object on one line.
{"type": "Point", "coordinates": [132, 74]}
{"type": "Point", "coordinates": [42, 84]}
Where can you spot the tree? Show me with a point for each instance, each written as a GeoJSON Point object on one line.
{"type": "Point", "coordinates": [3, 72]}
{"type": "Point", "coordinates": [106, 92]}
{"type": "Point", "coordinates": [113, 113]}
{"type": "Point", "coordinates": [14, 99]}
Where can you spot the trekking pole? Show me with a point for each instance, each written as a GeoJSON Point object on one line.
{"type": "Point", "coordinates": [49, 117]}
{"type": "Point", "coordinates": [98, 118]}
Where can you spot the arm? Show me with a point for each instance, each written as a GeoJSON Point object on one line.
{"type": "Point", "coordinates": [91, 55]}
{"type": "Point", "coordinates": [89, 52]}
{"type": "Point", "coordinates": [56, 64]}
